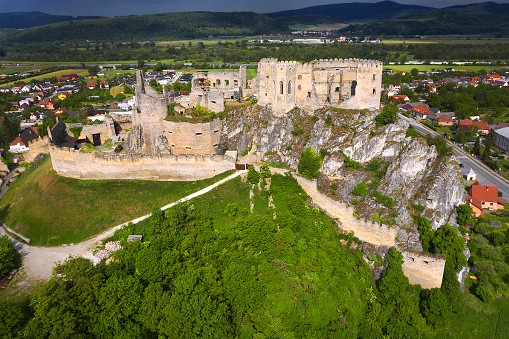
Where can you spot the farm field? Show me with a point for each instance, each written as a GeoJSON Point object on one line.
{"type": "Point", "coordinates": [57, 74]}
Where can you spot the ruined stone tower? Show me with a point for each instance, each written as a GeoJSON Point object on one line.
{"type": "Point", "coordinates": [149, 111]}
{"type": "Point", "coordinates": [342, 83]}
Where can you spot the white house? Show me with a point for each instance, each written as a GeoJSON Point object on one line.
{"type": "Point", "coordinates": [471, 175]}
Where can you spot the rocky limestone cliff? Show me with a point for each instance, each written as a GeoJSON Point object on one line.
{"type": "Point", "coordinates": [412, 172]}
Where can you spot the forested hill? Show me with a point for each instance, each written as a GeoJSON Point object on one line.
{"type": "Point", "coordinates": [435, 23]}
{"type": "Point", "coordinates": [30, 19]}
{"type": "Point", "coordinates": [182, 25]}
{"type": "Point", "coordinates": [355, 11]}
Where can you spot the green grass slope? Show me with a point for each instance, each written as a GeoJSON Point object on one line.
{"type": "Point", "coordinates": [53, 210]}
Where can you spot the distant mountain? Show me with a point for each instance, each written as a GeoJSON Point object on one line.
{"type": "Point", "coordinates": [164, 26]}
{"type": "Point", "coordinates": [356, 12]}
{"type": "Point", "coordinates": [489, 7]}
{"type": "Point", "coordinates": [32, 19]}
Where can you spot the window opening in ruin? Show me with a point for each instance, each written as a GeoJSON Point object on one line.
{"type": "Point", "coordinates": [337, 89]}
{"type": "Point", "coordinates": [232, 97]}
{"type": "Point", "coordinates": [216, 131]}
{"type": "Point", "coordinates": [354, 84]}
{"type": "Point", "coordinates": [188, 147]}
{"type": "Point", "coordinates": [299, 87]}
{"type": "Point", "coordinates": [299, 77]}
{"type": "Point", "coordinates": [235, 82]}
{"type": "Point", "coordinates": [309, 94]}
{"type": "Point", "coordinates": [96, 139]}
{"type": "Point", "coordinates": [374, 91]}
{"type": "Point", "coordinates": [374, 77]}
{"type": "Point", "coordinates": [218, 82]}
{"type": "Point", "coordinates": [215, 145]}
{"type": "Point", "coordinates": [212, 101]}
{"type": "Point", "coordinates": [289, 87]}
{"type": "Point", "coordinates": [281, 89]}
{"type": "Point", "coordinates": [199, 133]}
{"type": "Point", "coordinates": [227, 82]}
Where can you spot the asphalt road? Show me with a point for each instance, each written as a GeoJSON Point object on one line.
{"type": "Point", "coordinates": [485, 175]}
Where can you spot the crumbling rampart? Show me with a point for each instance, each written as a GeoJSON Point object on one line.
{"type": "Point", "coordinates": [420, 268]}
{"type": "Point", "coordinates": [70, 163]}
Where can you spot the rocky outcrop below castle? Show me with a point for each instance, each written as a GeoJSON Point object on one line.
{"type": "Point", "coordinates": [410, 171]}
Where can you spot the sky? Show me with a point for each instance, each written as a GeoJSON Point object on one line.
{"type": "Point", "coordinates": [112, 8]}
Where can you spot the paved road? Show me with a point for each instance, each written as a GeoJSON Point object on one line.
{"type": "Point", "coordinates": [485, 175]}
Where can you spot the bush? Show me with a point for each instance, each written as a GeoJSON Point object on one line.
{"type": "Point", "coordinates": [7, 256]}
{"type": "Point", "coordinates": [253, 176]}
{"type": "Point", "coordinates": [484, 293]}
{"type": "Point", "coordinates": [383, 199]}
{"type": "Point", "coordinates": [388, 116]}
{"type": "Point", "coordinates": [309, 163]}
{"type": "Point", "coordinates": [361, 189]}
{"type": "Point", "coordinates": [265, 170]}
{"type": "Point", "coordinates": [349, 163]}
{"type": "Point", "coordinates": [231, 209]}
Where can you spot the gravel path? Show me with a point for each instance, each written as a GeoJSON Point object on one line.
{"type": "Point", "coordinates": [38, 262]}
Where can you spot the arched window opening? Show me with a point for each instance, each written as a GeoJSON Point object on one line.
{"type": "Point", "coordinates": [354, 84]}
{"type": "Point", "coordinates": [289, 87]}
{"type": "Point", "coordinates": [281, 89]}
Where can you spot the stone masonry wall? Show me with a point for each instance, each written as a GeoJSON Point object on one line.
{"type": "Point", "coordinates": [343, 83]}
{"type": "Point", "coordinates": [193, 138]}
{"type": "Point", "coordinates": [74, 164]}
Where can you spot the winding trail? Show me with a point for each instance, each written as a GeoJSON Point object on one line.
{"type": "Point", "coordinates": [38, 262]}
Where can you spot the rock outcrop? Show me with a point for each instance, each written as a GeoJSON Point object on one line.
{"type": "Point", "coordinates": [413, 174]}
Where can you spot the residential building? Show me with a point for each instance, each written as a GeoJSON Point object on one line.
{"type": "Point", "coordinates": [483, 198]}
{"type": "Point", "coordinates": [483, 126]}
{"type": "Point", "coordinates": [501, 139]}
{"type": "Point", "coordinates": [22, 142]}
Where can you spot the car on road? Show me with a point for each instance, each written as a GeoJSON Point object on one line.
{"type": "Point", "coordinates": [461, 165]}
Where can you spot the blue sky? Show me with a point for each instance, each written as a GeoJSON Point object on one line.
{"type": "Point", "coordinates": [138, 7]}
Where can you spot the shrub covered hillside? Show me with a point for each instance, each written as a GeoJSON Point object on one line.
{"type": "Point", "coordinates": [212, 269]}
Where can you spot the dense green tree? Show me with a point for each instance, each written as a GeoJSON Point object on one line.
{"type": "Point", "coordinates": [310, 163]}
{"type": "Point", "coordinates": [448, 241]}
{"type": "Point", "coordinates": [435, 308]}
{"type": "Point", "coordinates": [477, 146]}
{"type": "Point", "coordinates": [253, 176]}
{"type": "Point", "coordinates": [464, 212]}
{"type": "Point", "coordinates": [389, 115]}
{"type": "Point", "coordinates": [7, 255]}
{"type": "Point", "coordinates": [451, 289]}
{"type": "Point", "coordinates": [12, 318]}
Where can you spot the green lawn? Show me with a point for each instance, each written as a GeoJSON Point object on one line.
{"type": "Point", "coordinates": [53, 210]}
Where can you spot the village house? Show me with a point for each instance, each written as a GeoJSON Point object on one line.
{"type": "Point", "coordinates": [444, 120]}
{"type": "Point", "coordinates": [483, 198]}
{"type": "Point", "coordinates": [22, 142]}
{"type": "Point", "coordinates": [421, 111]}
{"type": "Point", "coordinates": [483, 126]}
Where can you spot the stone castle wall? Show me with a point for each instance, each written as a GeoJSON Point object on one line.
{"type": "Point", "coordinates": [70, 163]}
{"type": "Point", "coordinates": [343, 83]}
{"type": "Point", "coordinates": [419, 268]}
{"type": "Point", "coordinates": [148, 112]}
{"type": "Point", "coordinates": [193, 138]}
{"type": "Point", "coordinates": [424, 270]}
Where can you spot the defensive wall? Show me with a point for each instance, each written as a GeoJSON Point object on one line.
{"type": "Point", "coordinates": [193, 138]}
{"type": "Point", "coordinates": [35, 147]}
{"type": "Point", "coordinates": [419, 268]}
{"type": "Point", "coordinates": [75, 164]}
{"type": "Point", "coordinates": [342, 83]}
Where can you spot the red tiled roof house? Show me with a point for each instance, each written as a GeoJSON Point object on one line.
{"type": "Point", "coordinates": [482, 198]}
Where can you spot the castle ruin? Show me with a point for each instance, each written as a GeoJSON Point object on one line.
{"type": "Point", "coordinates": [342, 83]}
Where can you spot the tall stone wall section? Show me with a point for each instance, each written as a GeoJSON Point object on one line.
{"type": "Point", "coordinates": [193, 138]}
{"type": "Point", "coordinates": [74, 164]}
{"type": "Point", "coordinates": [343, 83]}
{"type": "Point", "coordinates": [148, 112]}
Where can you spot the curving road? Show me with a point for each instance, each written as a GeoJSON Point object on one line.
{"type": "Point", "coordinates": [485, 175]}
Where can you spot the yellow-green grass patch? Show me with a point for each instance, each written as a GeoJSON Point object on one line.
{"type": "Point", "coordinates": [52, 210]}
